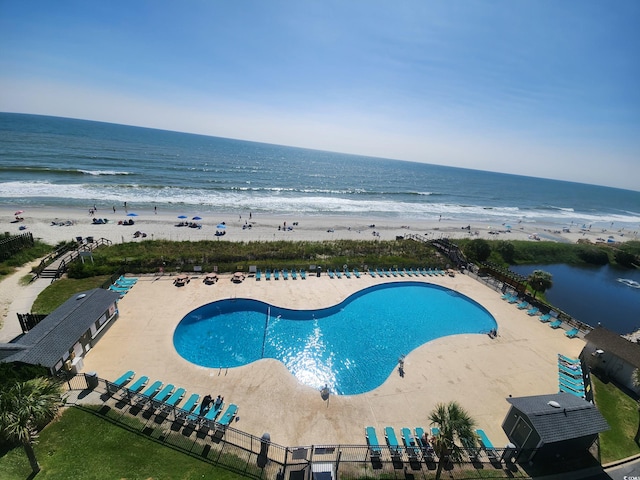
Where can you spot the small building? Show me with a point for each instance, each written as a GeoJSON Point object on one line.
{"type": "Point", "coordinates": [552, 427]}
{"type": "Point", "coordinates": [613, 355]}
{"type": "Point", "coordinates": [63, 338]}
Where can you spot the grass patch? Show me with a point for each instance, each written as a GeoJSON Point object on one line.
{"type": "Point", "coordinates": [61, 290]}
{"type": "Point", "coordinates": [80, 445]}
{"type": "Point", "coordinates": [18, 259]}
{"type": "Point", "coordinates": [621, 413]}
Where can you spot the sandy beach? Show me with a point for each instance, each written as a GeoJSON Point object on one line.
{"type": "Point", "coordinates": [57, 225]}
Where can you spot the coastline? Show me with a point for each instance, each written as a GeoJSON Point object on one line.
{"type": "Point", "coordinates": [55, 225]}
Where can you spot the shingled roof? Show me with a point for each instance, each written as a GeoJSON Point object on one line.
{"type": "Point", "coordinates": [574, 418]}
{"type": "Point", "coordinates": [47, 342]}
{"type": "Point", "coordinates": [613, 343]}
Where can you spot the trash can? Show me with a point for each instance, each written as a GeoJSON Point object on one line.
{"type": "Point", "coordinates": [92, 380]}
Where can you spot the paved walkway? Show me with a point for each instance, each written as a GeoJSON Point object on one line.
{"type": "Point", "coordinates": [17, 298]}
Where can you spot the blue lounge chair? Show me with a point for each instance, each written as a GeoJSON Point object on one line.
{"type": "Point", "coordinates": [523, 305]}
{"type": "Point", "coordinates": [126, 280]}
{"type": "Point", "coordinates": [191, 403]}
{"type": "Point", "coordinates": [506, 296]}
{"type": "Point", "coordinates": [330, 273]}
{"type": "Point", "coordinates": [556, 324]}
{"type": "Point", "coordinates": [487, 445]}
{"type": "Point", "coordinates": [400, 272]}
{"type": "Point", "coordinates": [228, 415]}
{"type": "Point", "coordinates": [119, 284]}
{"type": "Point", "coordinates": [572, 392]}
{"type": "Point", "coordinates": [337, 273]}
{"type": "Point", "coordinates": [386, 273]}
{"type": "Point", "coordinates": [173, 400]}
{"type": "Point", "coordinates": [356, 272]}
{"type": "Point", "coordinates": [294, 275]}
{"type": "Point", "coordinates": [427, 449]}
{"type": "Point", "coordinates": [568, 360]}
{"type": "Point", "coordinates": [258, 275]}
{"type": "Point", "coordinates": [267, 275]}
{"type": "Point", "coordinates": [113, 387]}
{"type": "Point", "coordinates": [573, 385]}
{"type": "Point", "coordinates": [545, 318]}
{"type": "Point", "coordinates": [165, 393]}
{"type": "Point", "coordinates": [303, 275]}
{"type": "Point", "coordinates": [372, 273]}
{"type": "Point", "coordinates": [392, 441]}
{"type": "Point", "coordinates": [379, 272]}
{"type": "Point", "coordinates": [347, 273]}
{"type": "Point", "coordinates": [185, 413]}
{"type": "Point", "coordinates": [394, 272]}
{"type": "Point", "coordinates": [572, 333]}
{"type": "Point", "coordinates": [285, 274]}
{"type": "Point", "coordinates": [533, 311]}
{"type": "Point", "coordinates": [150, 392]}
{"type": "Point", "coordinates": [214, 411]}
{"type": "Point", "coordinates": [414, 272]}
{"type": "Point", "coordinates": [578, 381]}
{"type": "Point", "coordinates": [435, 431]}
{"type": "Point", "coordinates": [276, 274]}
{"type": "Point", "coordinates": [513, 299]}
{"type": "Point", "coordinates": [138, 384]}
{"type": "Point", "coordinates": [572, 372]}
{"type": "Point", "coordinates": [410, 444]}
{"type": "Point", "coordinates": [372, 442]}
{"type": "Point", "coordinates": [117, 289]}
{"type": "Point", "coordinates": [406, 272]}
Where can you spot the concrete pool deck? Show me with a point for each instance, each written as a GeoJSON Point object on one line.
{"type": "Point", "coordinates": [475, 370]}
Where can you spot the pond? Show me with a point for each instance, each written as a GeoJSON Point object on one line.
{"type": "Point", "coordinates": [594, 295]}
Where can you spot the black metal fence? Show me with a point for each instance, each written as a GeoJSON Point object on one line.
{"type": "Point", "coordinates": [255, 457]}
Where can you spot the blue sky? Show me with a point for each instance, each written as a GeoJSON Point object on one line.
{"type": "Point", "coordinates": [541, 88]}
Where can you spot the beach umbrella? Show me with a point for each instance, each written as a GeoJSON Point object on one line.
{"type": "Point", "coordinates": [19, 212]}
{"type": "Point", "coordinates": [197, 218]}
{"type": "Point", "coordinates": [182, 216]}
{"type": "Point", "coordinates": [221, 226]}
{"type": "Point", "coordinates": [132, 214]}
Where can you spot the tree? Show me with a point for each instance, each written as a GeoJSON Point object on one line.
{"type": "Point", "coordinates": [507, 250]}
{"type": "Point", "coordinates": [477, 250]}
{"type": "Point", "coordinates": [453, 422]}
{"type": "Point", "coordinates": [540, 281]}
{"type": "Point", "coordinates": [26, 407]}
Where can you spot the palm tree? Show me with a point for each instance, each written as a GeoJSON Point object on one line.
{"type": "Point", "coordinates": [25, 407]}
{"type": "Point", "coordinates": [453, 422]}
{"type": "Point", "coordinates": [540, 281]}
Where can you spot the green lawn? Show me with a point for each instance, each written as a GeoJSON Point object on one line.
{"type": "Point", "coordinates": [621, 413]}
{"type": "Point", "coordinates": [82, 446]}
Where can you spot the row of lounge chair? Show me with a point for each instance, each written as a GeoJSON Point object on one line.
{"type": "Point", "coordinates": [416, 444]}
{"type": "Point", "coordinates": [166, 399]}
{"type": "Point", "coordinates": [553, 322]}
{"type": "Point", "coordinates": [337, 274]}
{"type": "Point", "coordinates": [570, 376]}
{"type": "Point", "coordinates": [411, 272]}
{"type": "Point", "coordinates": [123, 284]}
{"type": "Point", "coordinates": [285, 274]}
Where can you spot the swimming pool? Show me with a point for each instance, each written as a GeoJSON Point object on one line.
{"type": "Point", "coordinates": [352, 347]}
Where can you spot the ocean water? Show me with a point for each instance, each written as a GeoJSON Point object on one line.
{"type": "Point", "coordinates": [57, 162]}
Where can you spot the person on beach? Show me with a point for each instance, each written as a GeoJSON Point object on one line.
{"type": "Point", "coordinates": [114, 209]}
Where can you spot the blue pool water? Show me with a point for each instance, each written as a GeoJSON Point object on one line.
{"type": "Point", "coordinates": [352, 347]}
